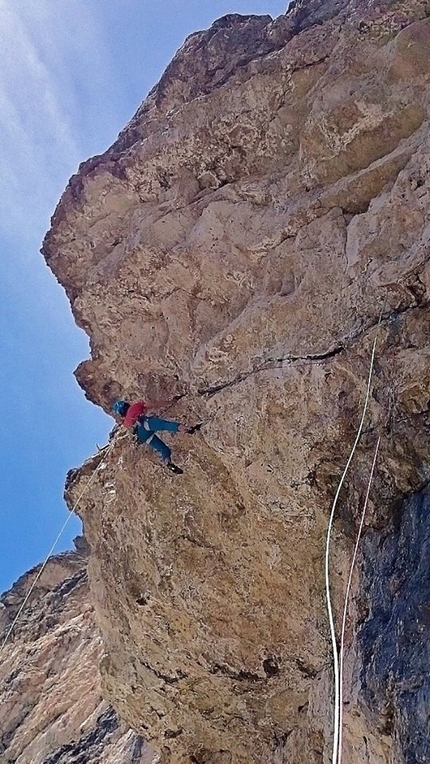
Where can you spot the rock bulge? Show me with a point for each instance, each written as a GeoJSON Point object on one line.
{"type": "Point", "coordinates": [239, 243]}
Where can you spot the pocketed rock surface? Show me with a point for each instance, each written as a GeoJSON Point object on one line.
{"type": "Point", "coordinates": [261, 220]}
{"type": "Point", "coordinates": [51, 706]}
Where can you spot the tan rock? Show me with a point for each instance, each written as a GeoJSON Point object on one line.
{"type": "Point", "coordinates": [51, 705]}
{"type": "Point", "coordinates": [267, 205]}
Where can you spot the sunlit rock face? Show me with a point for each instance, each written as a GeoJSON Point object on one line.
{"type": "Point", "coordinates": [262, 213]}
{"type": "Point", "coordinates": [51, 705]}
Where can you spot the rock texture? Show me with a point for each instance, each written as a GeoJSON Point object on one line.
{"type": "Point", "coordinates": [394, 637]}
{"type": "Point", "coordinates": [238, 244]}
{"type": "Point", "coordinates": [51, 706]}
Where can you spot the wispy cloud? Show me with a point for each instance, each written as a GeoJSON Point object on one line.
{"type": "Point", "coordinates": [50, 53]}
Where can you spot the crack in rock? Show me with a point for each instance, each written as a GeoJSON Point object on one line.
{"type": "Point", "coordinates": [275, 363]}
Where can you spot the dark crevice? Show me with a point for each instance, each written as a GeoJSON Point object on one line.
{"type": "Point", "coordinates": [66, 587]}
{"type": "Point", "coordinates": [170, 734]}
{"type": "Point", "coordinates": [203, 756]}
{"type": "Point", "coordinates": [274, 363]}
{"type": "Point", "coordinates": [165, 677]}
{"type": "Point", "coordinates": [271, 666]}
{"type": "Point", "coordinates": [241, 675]}
{"type": "Point", "coordinates": [311, 63]}
{"type": "Point", "coordinates": [92, 742]}
{"type": "Point", "coordinates": [158, 713]}
{"type": "Point", "coordinates": [321, 356]}
{"type": "Point", "coordinates": [271, 363]}
{"type": "Point", "coordinates": [305, 669]}
{"type": "Point", "coordinates": [186, 536]}
{"type": "Point", "coordinates": [359, 209]}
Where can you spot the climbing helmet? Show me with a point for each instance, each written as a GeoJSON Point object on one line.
{"type": "Point", "coordinates": [120, 407]}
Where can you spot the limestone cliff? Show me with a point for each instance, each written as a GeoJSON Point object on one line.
{"type": "Point", "coordinates": [238, 245]}
{"type": "Point", "coordinates": [51, 705]}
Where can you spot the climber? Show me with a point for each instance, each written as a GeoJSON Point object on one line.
{"type": "Point", "coordinates": [144, 427]}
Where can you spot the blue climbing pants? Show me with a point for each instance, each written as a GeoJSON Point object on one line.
{"type": "Point", "coordinates": [145, 431]}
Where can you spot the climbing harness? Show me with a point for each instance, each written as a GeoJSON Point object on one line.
{"type": "Point", "coordinates": [107, 450]}
{"type": "Point", "coordinates": [336, 668]}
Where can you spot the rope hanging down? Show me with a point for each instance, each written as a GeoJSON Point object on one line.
{"type": "Point", "coordinates": [336, 719]}
{"type": "Point", "coordinates": [87, 485]}
{"type": "Point", "coordinates": [345, 608]}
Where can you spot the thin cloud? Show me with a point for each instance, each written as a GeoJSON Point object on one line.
{"type": "Point", "coordinates": [44, 62]}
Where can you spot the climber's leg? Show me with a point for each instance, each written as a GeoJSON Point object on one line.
{"type": "Point", "coordinates": [155, 423]}
{"type": "Point", "coordinates": [155, 443]}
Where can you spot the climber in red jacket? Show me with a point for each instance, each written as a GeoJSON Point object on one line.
{"type": "Point", "coordinates": [144, 427]}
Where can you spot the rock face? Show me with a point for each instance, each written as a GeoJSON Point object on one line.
{"type": "Point", "coordinates": [239, 244]}
{"type": "Point", "coordinates": [51, 706]}
{"type": "Point", "coordinates": [394, 638]}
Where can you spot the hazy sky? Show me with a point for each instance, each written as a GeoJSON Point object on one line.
{"type": "Point", "coordinates": [72, 73]}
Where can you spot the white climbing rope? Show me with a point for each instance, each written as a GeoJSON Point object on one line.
{"type": "Point", "coordinates": [42, 568]}
{"type": "Point", "coordinates": [345, 609]}
{"type": "Point", "coordinates": [336, 712]}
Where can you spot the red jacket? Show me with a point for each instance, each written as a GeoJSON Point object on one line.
{"type": "Point", "coordinates": [135, 411]}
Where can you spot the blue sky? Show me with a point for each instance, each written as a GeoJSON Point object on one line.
{"type": "Point", "coordinates": [72, 74]}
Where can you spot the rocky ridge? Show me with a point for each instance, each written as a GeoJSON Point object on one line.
{"type": "Point", "coordinates": [51, 705]}
{"type": "Point", "coordinates": [264, 214]}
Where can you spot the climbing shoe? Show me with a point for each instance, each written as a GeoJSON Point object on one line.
{"type": "Point", "coordinates": [174, 468]}
{"type": "Point", "coordinates": [194, 428]}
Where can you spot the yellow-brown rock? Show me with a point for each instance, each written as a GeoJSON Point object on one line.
{"type": "Point", "coordinates": [265, 209]}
